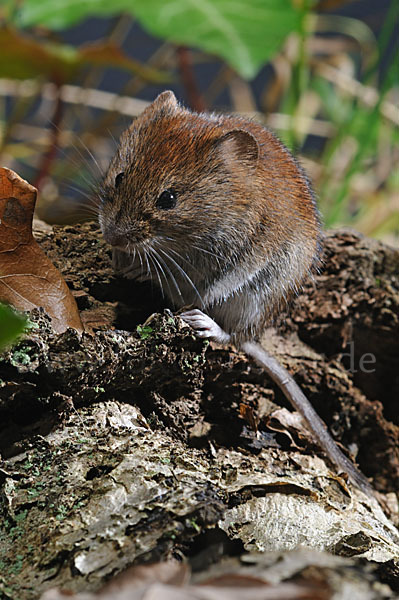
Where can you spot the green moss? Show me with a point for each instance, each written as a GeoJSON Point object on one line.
{"type": "Point", "coordinates": [144, 331]}
{"type": "Point", "coordinates": [20, 357]}
{"type": "Point", "coordinates": [62, 512]}
{"type": "Point", "coordinates": [16, 568]}
{"type": "Point", "coordinates": [20, 517]}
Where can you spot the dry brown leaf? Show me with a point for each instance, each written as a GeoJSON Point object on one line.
{"type": "Point", "coordinates": [247, 413]}
{"type": "Point", "coordinates": [28, 279]}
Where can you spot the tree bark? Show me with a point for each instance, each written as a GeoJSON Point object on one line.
{"type": "Point", "coordinates": [130, 444]}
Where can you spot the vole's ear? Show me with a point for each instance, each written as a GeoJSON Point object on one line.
{"type": "Point", "coordinates": [241, 144]}
{"type": "Point", "coordinates": [164, 102]}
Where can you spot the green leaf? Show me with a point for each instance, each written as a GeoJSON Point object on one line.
{"type": "Point", "coordinates": [64, 13]}
{"type": "Point", "coordinates": [12, 325]}
{"type": "Point", "coordinates": [246, 33]}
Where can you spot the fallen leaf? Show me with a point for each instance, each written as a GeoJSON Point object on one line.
{"type": "Point", "coordinates": [247, 413]}
{"type": "Point", "coordinates": [292, 425]}
{"type": "Point", "coordinates": [28, 279]}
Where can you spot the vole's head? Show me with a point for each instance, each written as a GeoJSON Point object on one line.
{"type": "Point", "coordinates": [175, 179]}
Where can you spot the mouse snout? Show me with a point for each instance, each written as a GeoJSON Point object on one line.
{"type": "Point", "coordinates": [114, 237]}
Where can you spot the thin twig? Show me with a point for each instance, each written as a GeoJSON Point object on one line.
{"type": "Point", "coordinates": [50, 155]}
{"type": "Point", "coordinates": [194, 96]}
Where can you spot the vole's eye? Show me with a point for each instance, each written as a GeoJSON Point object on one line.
{"type": "Point", "coordinates": [118, 179]}
{"type": "Point", "coordinates": [167, 199]}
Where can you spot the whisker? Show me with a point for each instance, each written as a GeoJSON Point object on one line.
{"type": "Point", "coordinates": [88, 204]}
{"type": "Point", "coordinates": [186, 260]}
{"type": "Point", "coordinates": [75, 147]}
{"type": "Point", "coordinates": [148, 264]}
{"type": "Point", "coordinates": [172, 277]}
{"type": "Point", "coordinates": [141, 260]}
{"type": "Point", "coordinates": [159, 261]}
{"type": "Point", "coordinates": [113, 138]}
{"type": "Point", "coordinates": [183, 259]}
{"type": "Point", "coordinates": [86, 210]}
{"type": "Point", "coordinates": [83, 193]}
{"type": "Point", "coordinates": [152, 258]}
{"type": "Point", "coordinates": [182, 271]}
{"type": "Point", "coordinates": [82, 214]}
{"type": "Point", "coordinates": [93, 178]}
{"type": "Point", "coordinates": [93, 173]}
{"type": "Point", "coordinates": [199, 248]}
{"type": "Point", "coordinates": [217, 256]}
{"type": "Point", "coordinates": [92, 156]}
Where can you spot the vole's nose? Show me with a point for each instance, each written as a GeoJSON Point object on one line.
{"type": "Point", "coordinates": [114, 237]}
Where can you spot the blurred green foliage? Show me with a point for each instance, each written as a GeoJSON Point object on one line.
{"type": "Point", "coordinates": [12, 325]}
{"type": "Point", "coordinates": [234, 31]}
{"type": "Point", "coordinates": [22, 57]}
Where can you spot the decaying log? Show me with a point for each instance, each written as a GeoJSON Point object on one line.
{"type": "Point", "coordinates": [127, 445]}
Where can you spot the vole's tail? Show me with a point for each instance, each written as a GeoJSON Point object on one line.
{"type": "Point", "coordinates": [299, 401]}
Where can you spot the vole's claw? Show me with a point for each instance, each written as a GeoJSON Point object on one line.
{"type": "Point", "coordinates": [204, 326]}
{"type": "Point", "coordinates": [200, 322]}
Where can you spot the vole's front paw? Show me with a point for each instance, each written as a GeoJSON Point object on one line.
{"type": "Point", "coordinates": [204, 326]}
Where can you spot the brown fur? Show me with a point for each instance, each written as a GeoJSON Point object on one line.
{"type": "Point", "coordinates": [245, 228]}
